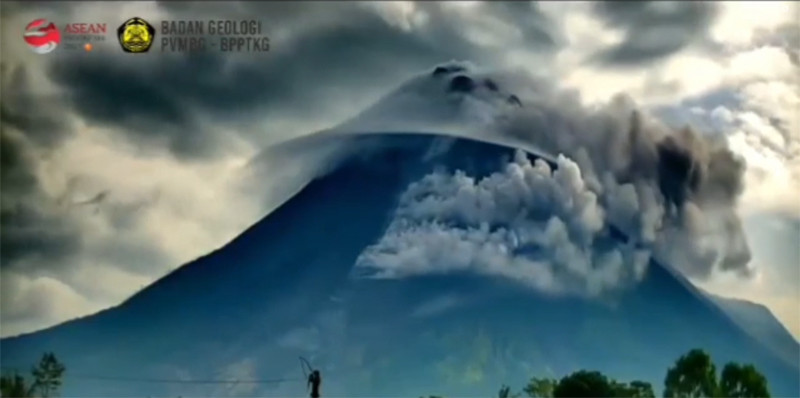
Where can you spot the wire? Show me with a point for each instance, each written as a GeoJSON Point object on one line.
{"type": "Point", "coordinates": [305, 365]}
{"type": "Point", "coordinates": [182, 381]}
{"type": "Point", "coordinates": [175, 381]}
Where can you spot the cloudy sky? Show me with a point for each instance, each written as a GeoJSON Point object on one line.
{"type": "Point", "coordinates": [116, 167]}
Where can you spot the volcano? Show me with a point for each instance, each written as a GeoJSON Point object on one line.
{"type": "Point", "coordinates": [336, 276]}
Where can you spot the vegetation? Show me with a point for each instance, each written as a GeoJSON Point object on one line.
{"type": "Point", "coordinates": [540, 387]}
{"type": "Point", "coordinates": [741, 381]}
{"type": "Point", "coordinates": [45, 380]}
{"type": "Point", "coordinates": [692, 376]}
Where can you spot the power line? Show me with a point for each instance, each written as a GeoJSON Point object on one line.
{"type": "Point", "coordinates": [68, 375]}
{"type": "Point", "coordinates": [304, 364]}
{"type": "Point", "coordinates": [181, 381]}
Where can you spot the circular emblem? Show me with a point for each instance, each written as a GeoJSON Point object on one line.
{"type": "Point", "coordinates": [136, 35]}
{"type": "Point", "coordinates": [42, 36]}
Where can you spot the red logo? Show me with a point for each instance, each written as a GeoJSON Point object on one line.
{"type": "Point", "coordinates": [42, 36]}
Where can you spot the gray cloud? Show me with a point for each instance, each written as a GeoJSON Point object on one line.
{"type": "Point", "coordinates": [33, 227]}
{"type": "Point", "coordinates": [330, 55]}
{"type": "Point", "coordinates": [32, 222]}
{"type": "Point", "coordinates": [12, 8]}
{"type": "Point", "coordinates": [786, 36]}
{"type": "Point", "coordinates": [675, 190]}
{"type": "Point", "coordinates": [39, 117]}
{"type": "Point", "coordinates": [40, 230]}
{"type": "Point", "coordinates": [652, 29]}
{"type": "Point", "coordinates": [322, 55]}
{"type": "Point", "coordinates": [537, 29]}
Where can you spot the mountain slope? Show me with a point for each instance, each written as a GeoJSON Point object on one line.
{"type": "Point", "coordinates": [287, 287]}
{"type": "Point", "coordinates": [758, 321]}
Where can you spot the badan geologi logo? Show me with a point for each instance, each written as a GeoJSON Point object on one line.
{"type": "Point", "coordinates": [42, 36]}
{"type": "Point", "coordinates": [136, 35]}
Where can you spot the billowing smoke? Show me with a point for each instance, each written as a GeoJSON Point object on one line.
{"type": "Point", "coordinates": [530, 223]}
{"type": "Point", "coordinates": [671, 194]}
{"type": "Point", "coordinates": [674, 192]}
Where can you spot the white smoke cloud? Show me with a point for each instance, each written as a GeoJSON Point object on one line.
{"type": "Point", "coordinates": [528, 223]}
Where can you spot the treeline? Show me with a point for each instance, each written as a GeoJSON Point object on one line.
{"type": "Point", "coordinates": [44, 381]}
{"type": "Point", "coordinates": [693, 375]}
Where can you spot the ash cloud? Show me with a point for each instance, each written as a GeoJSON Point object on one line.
{"type": "Point", "coordinates": [674, 191]}
{"type": "Point", "coordinates": [528, 223]}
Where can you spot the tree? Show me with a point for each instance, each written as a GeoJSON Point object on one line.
{"type": "Point", "coordinates": [636, 389]}
{"type": "Point", "coordinates": [540, 388]}
{"type": "Point", "coordinates": [47, 376]}
{"type": "Point", "coordinates": [694, 375]}
{"type": "Point", "coordinates": [14, 386]}
{"type": "Point", "coordinates": [641, 389]}
{"type": "Point", "coordinates": [584, 384]}
{"type": "Point", "coordinates": [742, 381]}
{"type": "Point", "coordinates": [505, 392]}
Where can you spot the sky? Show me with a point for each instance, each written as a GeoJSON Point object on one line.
{"type": "Point", "coordinates": [116, 169]}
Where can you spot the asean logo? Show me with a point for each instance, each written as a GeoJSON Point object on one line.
{"type": "Point", "coordinates": [136, 35]}
{"type": "Point", "coordinates": [42, 36]}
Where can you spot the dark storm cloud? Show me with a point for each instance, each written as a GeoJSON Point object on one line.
{"type": "Point", "coordinates": [37, 227]}
{"type": "Point", "coordinates": [11, 8]}
{"type": "Point", "coordinates": [536, 28]}
{"type": "Point", "coordinates": [652, 29]}
{"type": "Point", "coordinates": [40, 118]}
{"type": "Point", "coordinates": [30, 223]}
{"type": "Point", "coordinates": [146, 106]}
{"type": "Point", "coordinates": [333, 54]}
{"type": "Point", "coordinates": [31, 226]}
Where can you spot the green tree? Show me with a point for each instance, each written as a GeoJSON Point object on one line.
{"type": "Point", "coordinates": [742, 381]}
{"type": "Point", "coordinates": [540, 387]}
{"type": "Point", "coordinates": [584, 384]}
{"type": "Point", "coordinates": [14, 386]}
{"type": "Point", "coordinates": [641, 389]}
{"type": "Point", "coordinates": [692, 376]}
{"type": "Point", "coordinates": [635, 389]}
{"type": "Point", "coordinates": [47, 376]}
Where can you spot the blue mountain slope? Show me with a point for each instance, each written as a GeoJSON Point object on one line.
{"type": "Point", "coordinates": [286, 287]}
{"type": "Point", "coordinates": [758, 321]}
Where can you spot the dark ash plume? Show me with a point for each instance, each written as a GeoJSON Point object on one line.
{"type": "Point", "coordinates": [674, 190]}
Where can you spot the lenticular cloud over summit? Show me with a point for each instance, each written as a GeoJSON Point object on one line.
{"type": "Point", "coordinates": [672, 194]}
